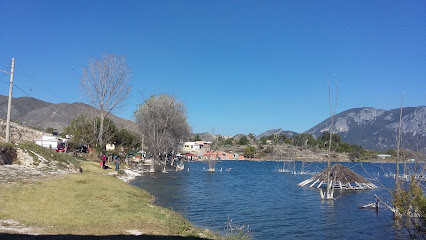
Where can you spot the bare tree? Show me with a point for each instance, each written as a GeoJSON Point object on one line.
{"type": "Point", "coordinates": [105, 82]}
{"type": "Point", "coordinates": [398, 144]}
{"type": "Point", "coordinates": [330, 187]}
{"type": "Point", "coordinates": [163, 123]}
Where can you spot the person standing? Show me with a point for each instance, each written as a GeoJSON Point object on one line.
{"type": "Point", "coordinates": [117, 162]}
{"type": "Point", "coordinates": [103, 161]}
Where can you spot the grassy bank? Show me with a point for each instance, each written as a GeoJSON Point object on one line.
{"type": "Point", "coordinates": [90, 203]}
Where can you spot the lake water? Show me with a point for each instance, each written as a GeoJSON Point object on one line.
{"type": "Point", "coordinates": [256, 195]}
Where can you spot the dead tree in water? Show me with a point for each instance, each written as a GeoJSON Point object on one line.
{"type": "Point", "coordinates": [329, 195]}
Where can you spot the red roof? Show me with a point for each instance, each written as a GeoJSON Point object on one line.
{"type": "Point", "coordinates": [190, 154]}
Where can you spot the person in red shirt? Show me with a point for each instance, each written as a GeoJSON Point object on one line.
{"type": "Point", "coordinates": [102, 165]}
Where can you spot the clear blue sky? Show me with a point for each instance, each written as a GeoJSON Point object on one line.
{"type": "Point", "coordinates": [239, 66]}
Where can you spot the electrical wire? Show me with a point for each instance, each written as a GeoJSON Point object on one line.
{"type": "Point", "coordinates": [27, 78]}
{"type": "Point", "coordinates": [2, 79]}
{"type": "Point", "coordinates": [38, 102]}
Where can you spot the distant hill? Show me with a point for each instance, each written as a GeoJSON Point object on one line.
{"type": "Point", "coordinates": [278, 131]}
{"type": "Point", "coordinates": [204, 136]}
{"type": "Point", "coordinates": [238, 136]}
{"type": "Point", "coordinates": [20, 106]}
{"type": "Point", "coordinates": [376, 129]}
{"type": "Point", "coordinates": [39, 114]}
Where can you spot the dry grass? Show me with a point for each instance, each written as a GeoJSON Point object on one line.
{"type": "Point", "coordinates": [90, 203]}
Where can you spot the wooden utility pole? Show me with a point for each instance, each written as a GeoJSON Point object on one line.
{"type": "Point", "coordinates": [9, 105]}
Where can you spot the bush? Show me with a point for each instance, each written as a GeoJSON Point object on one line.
{"type": "Point", "coordinates": [249, 151]}
{"type": "Point", "coordinates": [354, 155]}
{"type": "Point", "coordinates": [269, 149]}
{"type": "Point", "coordinates": [244, 140]}
{"type": "Point", "coordinates": [8, 153]}
{"type": "Point", "coordinates": [229, 141]}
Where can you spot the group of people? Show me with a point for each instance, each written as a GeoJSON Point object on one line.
{"type": "Point", "coordinates": [116, 161]}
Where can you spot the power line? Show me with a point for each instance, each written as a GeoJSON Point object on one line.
{"type": "Point", "coordinates": [2, 79]}
{"type": "Point", "coordinates": [27, 80]}
{"type": "Point", "coordinates": [46, 88]}
{"type": "Point", "coordinates": [48, 107]}
{"type": "Point", "coordinates": [26, 76]}
{"type": "Point", "coordinates": [38, 101]}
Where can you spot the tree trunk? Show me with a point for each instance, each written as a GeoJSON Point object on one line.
{"type": "Point", "coordinates": [152, 166]}
{"type": "Point", "coordinates": [101, 129]}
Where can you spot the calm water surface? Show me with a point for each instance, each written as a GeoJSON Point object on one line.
{"type": "Point", "coordinates": [270, 203]}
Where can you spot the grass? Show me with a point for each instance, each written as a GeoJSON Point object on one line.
{"type": "Point", "coordinates": [90, 203]}
{"type": "Point", "coordinates": [235, 232]}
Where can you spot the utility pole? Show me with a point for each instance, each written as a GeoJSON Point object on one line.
{"type": "Point", "coordinates": [9, 105]}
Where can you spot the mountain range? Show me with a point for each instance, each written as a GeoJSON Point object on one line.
{"type": "Point", "coordinates": [40, 114]}
{"type": "Point", "coordinates": [377, 129]}
{"type": "Point", "coordinates": [372, 128]}
{"type": "Point", "coordinates": [278, 131]}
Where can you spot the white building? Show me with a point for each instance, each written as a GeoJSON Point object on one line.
{"type": "Point", "coordinates": [199, 147]}
{"type": "Point", "coordinates": [50, 141]}
{"type": "Point", "coordinates": [110, 147]}
{"type": "Point", "coordinates": [383, 156]}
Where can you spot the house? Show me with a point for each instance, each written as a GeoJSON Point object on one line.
{"type": "Point", "coordinates": [198, 146]}
{"type": "Point", "coordinates": [110, 147]}
{"type": "Point", "coordinates": [383, 156]}
{"type": "Point", "coordinates": [188, 146]}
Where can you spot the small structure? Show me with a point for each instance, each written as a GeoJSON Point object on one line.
{"type": "Point", "coordinates": [110, 147]}
{"type": "Point", "coordinates": [384, 156]}
{"type": "Point", "coordinates": [51, 142]}
{"type": "Point", "coordinates": [189, 155]}
{"type": "Point", "coordinates": [341, 177]}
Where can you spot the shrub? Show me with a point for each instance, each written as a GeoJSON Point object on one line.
{"type": "Point", "coordinates": [249, 151]}
{"type": "Point", "coordinates": [8, 153]}
{"type": "Point", "coordinates": [244, 140]}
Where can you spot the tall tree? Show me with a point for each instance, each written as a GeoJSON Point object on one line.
{"type": "Point", "coordinates": [162, 120]}
{"type": "Point", "coordinates": [127, 139]}
{"type": "Point", "coordinates": [84, 130]}
{"type": "Point", "coordinates": [105, 82]}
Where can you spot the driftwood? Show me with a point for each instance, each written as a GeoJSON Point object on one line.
{"type": "Point", "coordinates": [386, 205]}
{"type": "Point", "coordinates": [375, 205]}
{"type": "Point", "coordinates": [342, 178]}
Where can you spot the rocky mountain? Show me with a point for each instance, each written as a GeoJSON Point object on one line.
{"type": "Point", "coordinates": [206, 136]}
{"type": "Point", "coordinates": [278, 131]}
{"type": "Point", "coordinates": [376, 129]}
{"type": "Point", "coordinates": [20, 106]}
{"type": "Point", "coordinates": [39, 114]}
